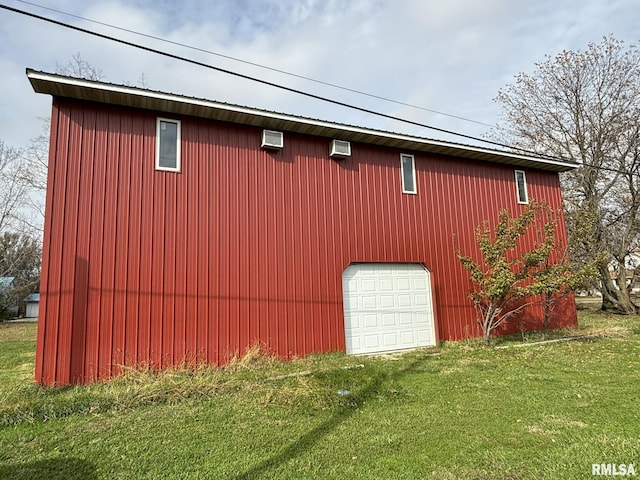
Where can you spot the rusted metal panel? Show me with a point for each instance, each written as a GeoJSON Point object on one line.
{"type": "Point", "coordinates": [244, 246]}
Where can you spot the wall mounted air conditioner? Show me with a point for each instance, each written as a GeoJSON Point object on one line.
{"type": "Point", "coordinates": [340, 149]}
{"type": "Point", "coordinates": [272, 139]}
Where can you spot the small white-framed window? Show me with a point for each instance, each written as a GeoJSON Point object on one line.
{"type": "Point", "coordinates": [168, 145]}
{"type": "Point", "coordinates": [521, 187]}
{"type": "Point", "coordinates": [408, 172]}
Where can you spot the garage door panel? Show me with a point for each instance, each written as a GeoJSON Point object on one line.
{"type": "Point", "coordinates": [353, 344]}
{"type": "Point", "coordinates": [387, 301]}
{"type": "Point", "coordinates": [368, 285]}
{"type": "Point", "coordinates": [372, 341]}
{"type": "Point", "coordinates": [405, 300]}
{"type": "Point", "coordinates": [419, 283]}
{"type": "Point", "coordinates": [408, 338]}
{"type": "Point", "coordinates": [405, 318]}
{"type": "Point", "coordinates": [389, 340]}
{"type": "Point", "coordinates": [387, 307]}
{"type": "Point", "coordinates": [423, 337]}
{"type": "Point", "coordinates": [370, 302]}
{"type": "Point", "coordinates": [421, 300]}
{"type": "Point", "coordinates": [388, 319]}
{"type": "Point", "coordinates": [370, 321]}
{"type": "Point", "coordinates": [351, 303]}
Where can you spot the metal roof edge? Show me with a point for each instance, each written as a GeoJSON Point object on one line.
{"type": "Point", "coordinates": [43, 82]}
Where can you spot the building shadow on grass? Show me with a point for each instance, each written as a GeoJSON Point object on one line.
{"type": "Point", "coordinates": [51, 469]}
{"type": "Point", "coordinates": [308, 440]}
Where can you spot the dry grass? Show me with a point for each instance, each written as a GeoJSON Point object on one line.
{"type": "Point", "coordinates": [470, 412]}
{"type": "Point", "coordinates": [255, 357]}
{"type": "Point", "coordinates": [18, 331]}
{"type": "Point", "coordinates": [256, 373]}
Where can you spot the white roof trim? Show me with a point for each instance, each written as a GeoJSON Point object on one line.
{"type": "Point", "coordinates": [35, 76]}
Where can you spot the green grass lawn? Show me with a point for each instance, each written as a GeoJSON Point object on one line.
{"type": "Point", "coordinates": [456, 411]}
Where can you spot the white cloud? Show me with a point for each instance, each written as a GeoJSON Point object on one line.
{"type": "Point", "coordinates": [447, 55]}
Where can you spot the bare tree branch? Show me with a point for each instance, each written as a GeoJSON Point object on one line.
{"type": "Point", "coordinates": [585, 106]}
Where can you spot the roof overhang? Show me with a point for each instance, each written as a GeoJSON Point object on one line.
{"type": "Point", "coordinates": [128, 96]}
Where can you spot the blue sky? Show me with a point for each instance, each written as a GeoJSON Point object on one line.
{"type": "Point", "coordinates": [446, 55]}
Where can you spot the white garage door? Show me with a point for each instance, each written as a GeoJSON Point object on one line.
{"type": "Point", "coordinates": [387, 306]}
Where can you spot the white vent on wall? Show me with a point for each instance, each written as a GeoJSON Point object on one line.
{"type": "Point", "coordinates": [272, 139]}
{"type": "Point", "coordinates": [340, 149]}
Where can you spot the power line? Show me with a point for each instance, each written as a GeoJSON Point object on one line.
{"type": "Point", "coordinates": [254, 64]}
{"type": "Point", "coordinates": [275, 85]}
{"type": "Point", "coordinates": [520, 149]}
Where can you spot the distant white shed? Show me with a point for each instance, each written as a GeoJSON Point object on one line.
{"type": "Point", "coordinates": [32, 301]}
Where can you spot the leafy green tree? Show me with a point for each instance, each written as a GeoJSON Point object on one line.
{"type": "Point", "coordinates": [506, 281]}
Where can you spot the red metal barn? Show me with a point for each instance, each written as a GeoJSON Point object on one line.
{"type": "Point", "coordinates": [180, 229]}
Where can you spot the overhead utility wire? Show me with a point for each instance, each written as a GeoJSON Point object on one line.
{"type": "Point", "coordinates": [609, 169]}
{"type": "Point", "coordinates": [275, 85]}
{"type": "Point", "coordinates": [247, 62]}
{"type": "Point", "coordinates": [303, 77]}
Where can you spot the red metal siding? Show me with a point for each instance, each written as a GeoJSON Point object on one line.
{"type": "Point", "coordinates": [243, 246]}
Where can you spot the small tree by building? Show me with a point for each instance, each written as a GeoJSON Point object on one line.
{"type": "Point", "coordinates": [505, 282]}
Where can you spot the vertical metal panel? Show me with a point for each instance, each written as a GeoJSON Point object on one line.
{"type": "Point", "coordinates": [45, 366]}
{"type": "Point", "coordinates": [123, 247]}
{"type": "Point", "coordinates": [146, 132]}
{"type": "Point", "coordinates": [96, 235]}
{"type": "Point", "coordinates": [81, 296]}
{"type": "Point", "coordinates": [180, 349]}
{"type": "Point", "coordinates": [168, 289]}
{"type": "Point", "coordinates": [244, 245]}
{"type": "Point", "coordinates": [199, 232]}
{"type": "Point", "coordinates": [212, 214]}
{"type": "Point", "coordinates": [223, 231]}
{"type": "Point", "coordinates": [69, 203]}
{"type": "Point", "coordinates": [134, 237]}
